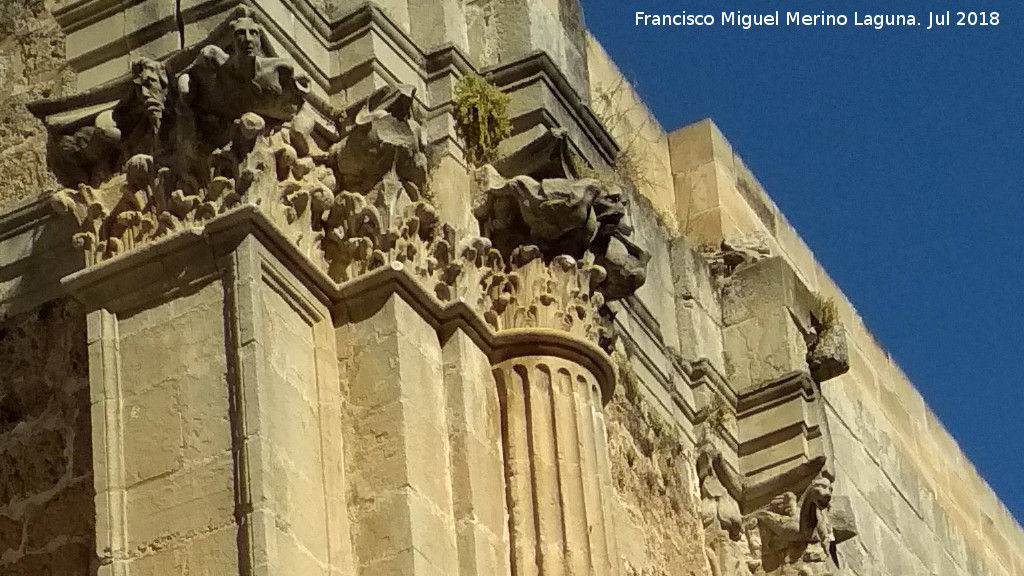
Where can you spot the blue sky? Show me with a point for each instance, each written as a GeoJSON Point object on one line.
{"type": "Point", "coordinates": [898, 154]}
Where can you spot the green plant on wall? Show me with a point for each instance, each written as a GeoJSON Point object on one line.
{"type": "Point", "coordinates": [718, 415]}
{"type": "Point", "coordinates": [614, 106]}
{"type": "Point", "coordinates": [481, 115]}
{"type": "Point", "coordinates": [826, 313]}
{"type": "Point", "coordinates": [627, 377]}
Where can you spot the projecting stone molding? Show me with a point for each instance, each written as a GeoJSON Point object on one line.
{"type": "Point", "coordinates": [308, 337]}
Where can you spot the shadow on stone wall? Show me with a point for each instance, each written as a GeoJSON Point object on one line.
{"type": "Point", "coordinates": [46, 490]}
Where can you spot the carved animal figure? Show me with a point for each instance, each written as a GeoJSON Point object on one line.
{"type": "Point", "coordinates": [796, 533]}
{"type": "Point", "coordinates": [563, 216]}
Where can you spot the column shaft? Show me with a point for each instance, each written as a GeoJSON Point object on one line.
{"type": "Point", "coordinates": [556, 468]}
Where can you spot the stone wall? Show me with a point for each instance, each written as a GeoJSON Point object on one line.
{"type": "Point", "coordinates": [643, 144]}
{"type": "Point", "coordinates": [32, 66]}
{"type": "Point", "coordinates": [46, 504]}
{"type": "Point", "coordinates": [168, 492]}
{"type": "Point", "coordinates": [266, 399]}
{"type": "Point", "coordinates": [921, 506]}
{"type": "Point", "coordinates": [661, 533]}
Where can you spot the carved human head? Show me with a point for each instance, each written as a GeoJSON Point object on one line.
{"type": "Point", "coordinates": [610, 207]}
{"type": "Point", "coordinates": [149, 79]}
{"type": "Point", "coordinates": [247, 36]}
{"type": "Point", "coordinates": [151, 87]}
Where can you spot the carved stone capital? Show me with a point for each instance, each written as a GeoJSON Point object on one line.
{"type": "Point", "coordinates": [565, 216]}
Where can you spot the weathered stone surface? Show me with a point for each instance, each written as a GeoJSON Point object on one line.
{"type": "Point", "coordinates": [73, 559]}
{"type": "Point", "coordinates": [67, 515]}
{"type": "Point", "coordinates": [766, 313]}
{"type": "Point", "coordinates": [727, 546]}
{"type": "Point", "coordinates": [12, 534]}
{"type": "Point", "coordinates": [655, 482]}
{"type": "Point", "coordinates": [401, 495]}
{"type": "Point", "coordinates": [798, 532]}
{"type": "Point", "coordinates": [556, 464]}
{"type": "Point", "coordinates": [828, 357]}
{"type": "Point", "coordinates": [732, 255]}
{"type": "Point", "coordinates": [563, 216]}
{"type": "Point", "coordinates": [476, 458]}
{"type": "Point", "coordinates": [31, 66]}
{"type": "Point", "coordinates": [46, 492]}
{"type": "Point", "coordinates": [353, 210]}
{"type": "Point", "coordinates": [251, 408]}
{"type": "Point", "coordinates": [384, 137]}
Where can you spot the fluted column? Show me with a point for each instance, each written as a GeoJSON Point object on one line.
{"type": "Point", "coordinates": [556, 467]}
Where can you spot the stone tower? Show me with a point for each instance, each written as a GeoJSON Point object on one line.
{"type": "Point", "coordinates": [270, 305]}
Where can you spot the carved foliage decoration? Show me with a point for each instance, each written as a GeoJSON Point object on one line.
{"type": "Point", "coordinates": [352, 204]}
{"type": "Point", "coordinates": [522, 292]}
{"type": "Point", "coordinates": [559, 295]}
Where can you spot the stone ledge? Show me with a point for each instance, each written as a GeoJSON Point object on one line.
{"type": "Point", "coordinates": [93, 286]}
{"type": "Point", "coordinates": [30, 269]}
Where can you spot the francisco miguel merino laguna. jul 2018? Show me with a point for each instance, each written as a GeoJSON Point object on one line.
{"type": "Point", "coordinates": [878, 21]}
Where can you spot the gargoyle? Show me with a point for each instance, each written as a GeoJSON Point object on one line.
{"type": "Point", "coordinates": [221, 85]}
{"type": "Point", "coordinates": [562, 214]}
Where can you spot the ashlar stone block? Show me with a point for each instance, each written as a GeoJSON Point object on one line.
{"type": "Point", "coordinates": [766, 311]}
{"type": "Point", "coordinates": [153, 435]}
{"type": "Point", "coordinates": [477, 479]}
{"type": "Point", "coordinates": [399, 457]}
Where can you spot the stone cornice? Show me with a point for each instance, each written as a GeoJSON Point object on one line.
{"type": "Point", "coordinates": [189, 257]}
{"type": "Point", "coordinates": [23, 215]}
{"type": "Point", "coordinates": [765, 395]}
{"type": "Point", "coordinates": [77, 15]}
{"type": "Point", "coordinates": [34, 254]}
{"type": "Point", "coordinates": [539, 66]}
{"type": "Point", "coordinates": [703, 371]}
